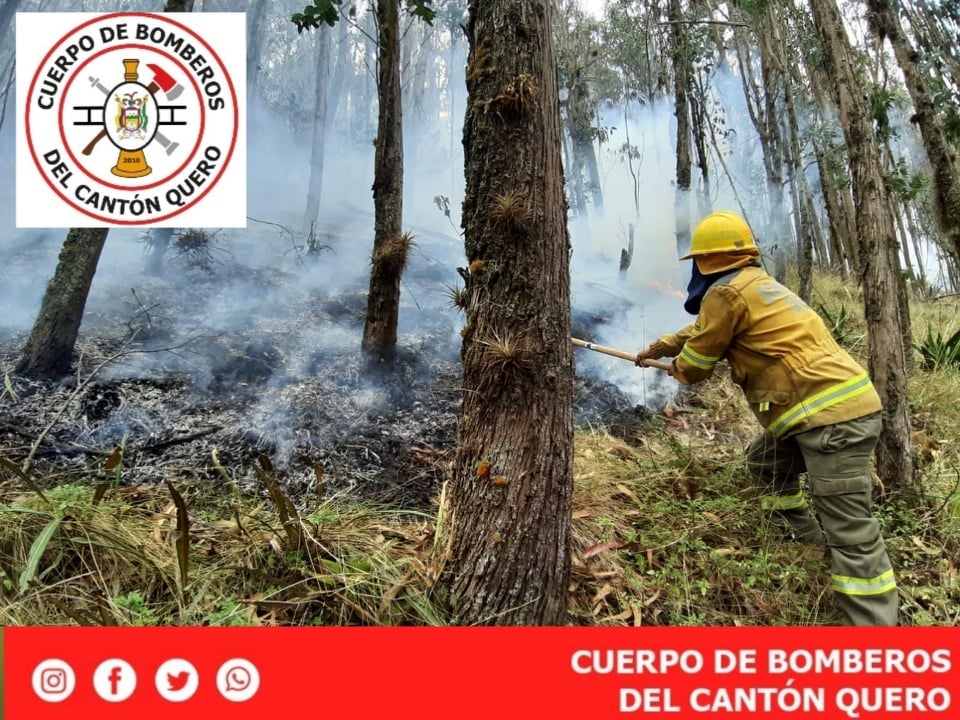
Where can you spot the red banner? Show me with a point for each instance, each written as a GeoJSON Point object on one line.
{"type": "Point", "coordinates": [424, 673]}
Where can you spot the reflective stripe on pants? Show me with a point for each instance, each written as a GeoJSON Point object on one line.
{"type": "Point", "coordinates": [837, 461]}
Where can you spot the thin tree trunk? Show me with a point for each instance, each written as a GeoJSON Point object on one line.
{"type": "Point", "coordinates": [160, 238]}
{"type": "Point", "coordinates": [681, 89]}
{"type": "Point", "coordinates": [255, 35]}
{"type": "Point", "coordinates": [49, 349]}
{"type": "Point", "coordinates": [903, 294]}
{"type": "Point", "coordinates": [836, 215]}
{"type": "Point", "coordinates": [913, 232]}
{"type": "Point", "coordinates": [178, 6]}
{"type": "Point", "coordinates": [319, 136]}
{"type": "Point", "coordinates": [513, 476]}
{"type": "Point", "coordinates": [880, 279]}
{"type": "Point", "coordinates": [765, 114]}
{"type": "Point", "coordinates": [452, 90]}
{"type": "Point", "coordinates": [835, 181]}
{"type": "Point", "coordinates": [390, 246]}
{"type": "Point", "coordinates": [414, 79]}
{"type": "Point", "coordinates": [699, 123]}
{"type": "Point", "coordinates": [940, 151]}
{"type": "Point", "coordinates": [593, 175]}
{"type": "Point", "coordinates": [7, 12]}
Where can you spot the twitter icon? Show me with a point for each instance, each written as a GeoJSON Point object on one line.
{"type": "Point", "coordinates": [176, 680]}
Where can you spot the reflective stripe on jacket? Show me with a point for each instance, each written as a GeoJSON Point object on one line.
{"type": "Point", "coordinates": [793, 373]}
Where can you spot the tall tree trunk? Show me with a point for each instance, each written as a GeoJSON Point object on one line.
{"type": "Point", "coordinates": [878, 238]}
{"type": "Point", "coordinates": [940, 151]}
{"type": "Point", "coordinates": [319, 139]}
{"type": "Point", "coordinates": [807, 226]}
{"type": "Point", "coordinates": [178, 6]}
{"type": "Point", "coordinates": [452, 90]}
{"type": "Point", "coordinates": [835, 183]}
{"type": "Point", "coordinates": [156, 251]}
{"type": "Point", "coordinates": [160, 237]}
{"type": "Point", "coordinates": [765, 113]}
{"type": "Point", "coordinates": [593, 176]}
{"type": "Point", "coordinates": [838, 221]}
{"type": "Point", "coordinates": [390, 245]}
{"type": "Point", "coordinates": [513, 476]}
{"type": "Point", "coordinates": [681, 89]}
{"type": "Point", "coordinates": [255, 34]}
{"type": "Point", "coordinates": [913, 232]}
{"type": "Point", "coordinates": [49, 349]}
{"type": "Point", "coordinates": [699, 124]}
{"type": "Point", "coordinates": [338, 73]}
{"type": "Point", "coordinates": [413, 77]}
{"type": "Point", "coordinates": [7, 12]}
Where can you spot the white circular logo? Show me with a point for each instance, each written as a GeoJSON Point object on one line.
{"type": "Point", "coordinates": [176, 680]}
{"type": "Point", "coordinates": [53, 680]}
{"type": "Point", "coordinates": [132, 118]}
{"type": "Point", "coordinates": [238, 680]}
{"type": "Point", "coordinates": [114, 680]}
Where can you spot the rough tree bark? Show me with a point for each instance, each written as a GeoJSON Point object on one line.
{"type": "Point", "coordinates": [513, 476]}
{"type": "Point", "coordinates": [878, 238]}
{"type": "Point", "coordinates": [940, 151]}
{"type": "Point", "coordinates": [390, 245]}
{"type": "Point", "coordinates": [49, 349]}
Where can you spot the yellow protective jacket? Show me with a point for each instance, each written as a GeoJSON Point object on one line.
{"type": "Point", "coordinates": [794, 374]}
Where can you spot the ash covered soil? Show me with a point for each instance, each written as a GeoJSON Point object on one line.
{"type": "Point", "coordinates": [238, 352]}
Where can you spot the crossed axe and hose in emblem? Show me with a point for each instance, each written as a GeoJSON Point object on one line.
{"type": "Point", "coordinates": [132, 119]}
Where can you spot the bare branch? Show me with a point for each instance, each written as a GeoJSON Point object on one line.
{"type": "Point", "coordinates": [727, 23]}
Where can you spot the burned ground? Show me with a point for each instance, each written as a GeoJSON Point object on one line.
{"type": "Point", "coordinates": [220, 364]}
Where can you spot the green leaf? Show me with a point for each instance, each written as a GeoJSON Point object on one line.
{"type": "Point", "coordinates": [8, 384]}
{"type": "Point", "coordinates": [37, 548]}
{"type": "Point", "coordinates": [422, 10]}
{"type": "Point", "coordinates": [326, 11]}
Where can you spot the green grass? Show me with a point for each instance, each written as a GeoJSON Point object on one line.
{"type": "Point", "coordinates": [69, 557]}
{"type": "Point", "coordinates": [665, 532]}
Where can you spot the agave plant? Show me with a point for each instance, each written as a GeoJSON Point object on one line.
{"type": "Point", "coordinates": [939, 353]}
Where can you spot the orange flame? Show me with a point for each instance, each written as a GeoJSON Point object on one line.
{"type": "Point", "coordinates": [666, 289]}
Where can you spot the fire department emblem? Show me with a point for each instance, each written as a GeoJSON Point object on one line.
{"type": "Point", "coordinates": [134, 119]}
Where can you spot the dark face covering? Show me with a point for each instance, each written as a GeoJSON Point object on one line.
{"type": "Point", "coordinates": [699, 284]}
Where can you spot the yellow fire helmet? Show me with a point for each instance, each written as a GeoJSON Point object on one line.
{"type": "Point", "coordinates": [721, 232]}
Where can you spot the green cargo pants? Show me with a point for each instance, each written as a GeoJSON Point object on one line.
{"type": "Point", "coordinates": [836, 459]}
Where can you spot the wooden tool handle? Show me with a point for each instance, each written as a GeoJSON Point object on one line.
{"type": "Point", "coordinates": [623, 354]}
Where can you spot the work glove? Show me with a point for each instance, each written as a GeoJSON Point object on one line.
{"type": "Point", "coordinates": [642, 355]}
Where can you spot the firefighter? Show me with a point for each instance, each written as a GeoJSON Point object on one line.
{"type": "Point", "coordinates": [819, 409]}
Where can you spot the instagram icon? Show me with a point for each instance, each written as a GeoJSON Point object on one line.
{"type": "Point", "coordinates": [53, 680]}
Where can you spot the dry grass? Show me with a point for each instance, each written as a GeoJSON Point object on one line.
{"type": "Point", "coordinates": [665, 532]}
{"type": "Point", "coordinates": [71, 560]}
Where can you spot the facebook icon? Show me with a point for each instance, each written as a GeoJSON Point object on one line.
{"type": "Point", "coordinates": [114, 680]}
